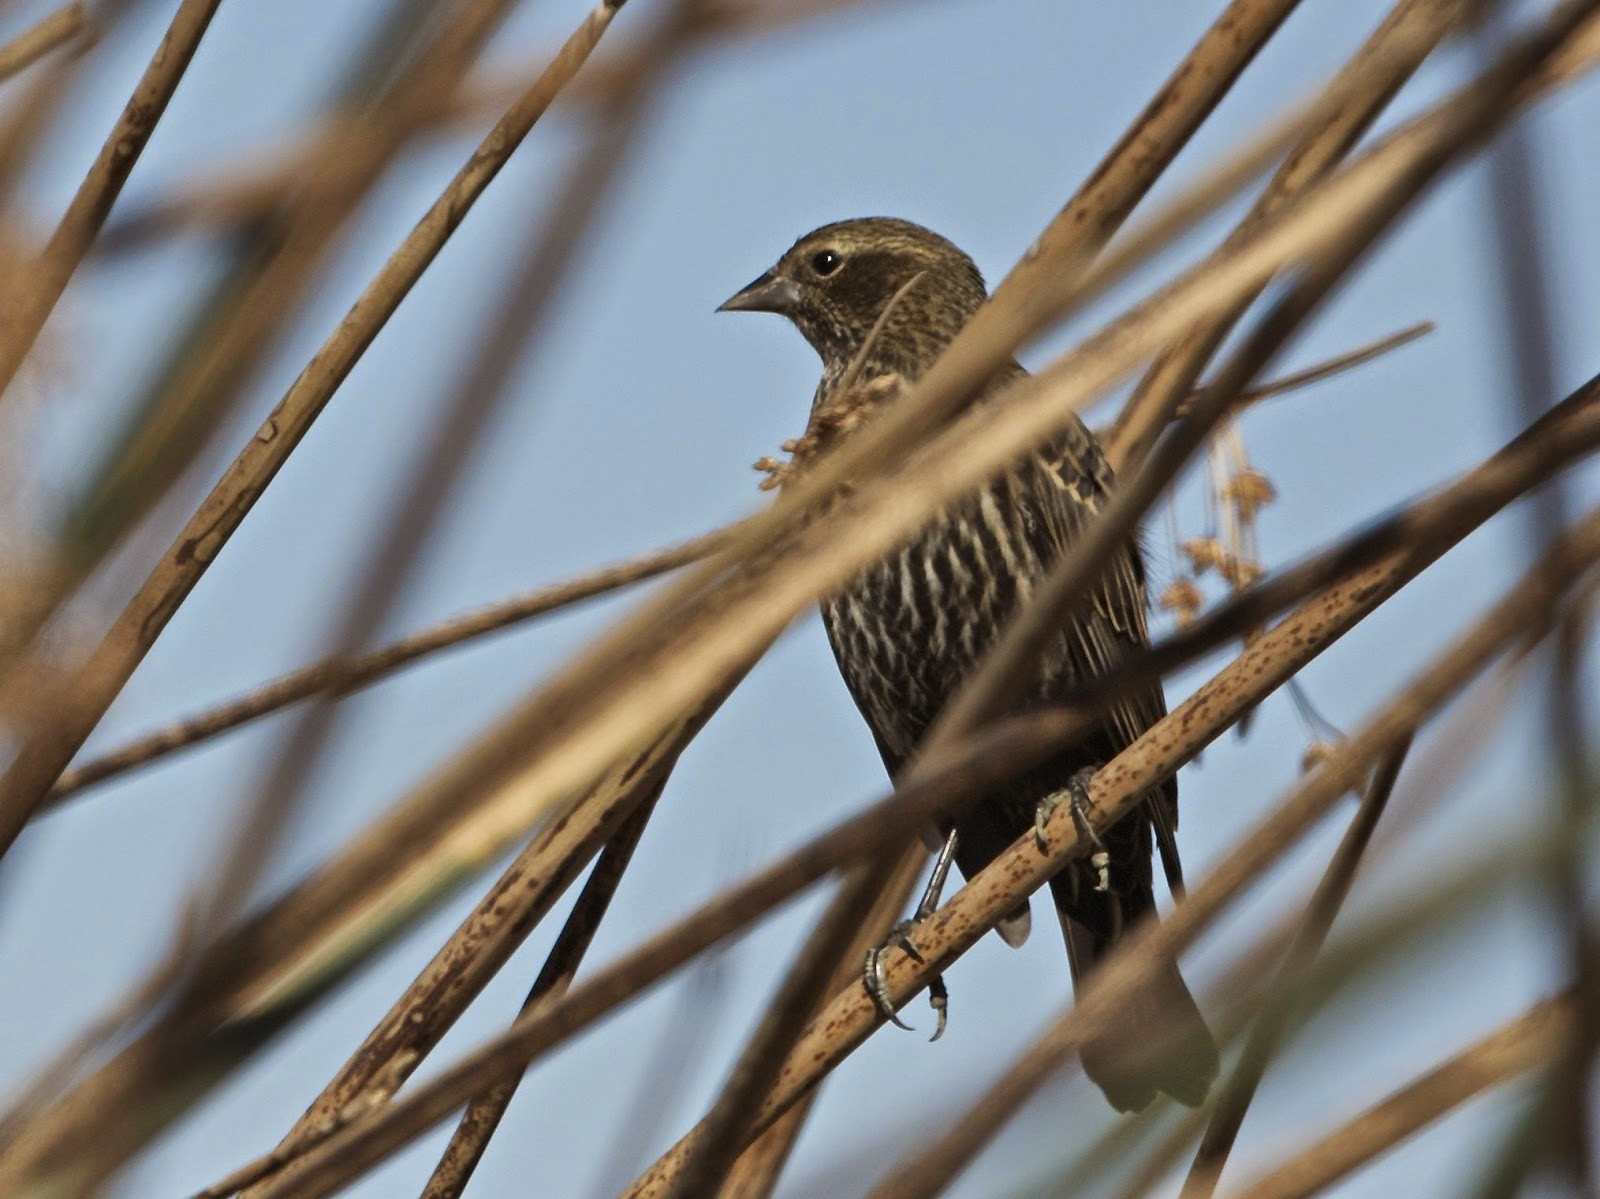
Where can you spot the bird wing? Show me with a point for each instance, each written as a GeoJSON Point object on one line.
{"type": "Point", "coordinates": [1072, 483]}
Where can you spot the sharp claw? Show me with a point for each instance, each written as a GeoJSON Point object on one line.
{"type": "Point", "coordinates": [876, 981]}
{"type": "Point", "coordinates": [1078, 801]}
{"type": "Point", "coordinates": [1041, 820]}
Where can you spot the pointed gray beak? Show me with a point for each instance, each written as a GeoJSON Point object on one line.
{"type": "Point", "coordinates": [769, 293]}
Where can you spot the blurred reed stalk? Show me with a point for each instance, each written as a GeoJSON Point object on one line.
{"type": "Point", "coordinates": [565, 780]}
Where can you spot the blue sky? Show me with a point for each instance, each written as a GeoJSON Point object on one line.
{"type": "Point", "coordinates": [633, 420]}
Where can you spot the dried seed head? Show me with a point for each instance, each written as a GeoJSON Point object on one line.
{"type": "Point", "coordinates": [1183, 599]}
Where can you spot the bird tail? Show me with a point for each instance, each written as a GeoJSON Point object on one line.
{"type": "Point", "coordinates": [1159, 1041]}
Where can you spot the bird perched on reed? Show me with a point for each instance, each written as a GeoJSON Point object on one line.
{"type": "Point", "coordinates": [878, 299]}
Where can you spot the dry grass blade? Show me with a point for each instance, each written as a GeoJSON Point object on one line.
{"type": "Point", "coordinates": [28, 47]}
{"type": "Point", "coordinates": [1526, 1043]}
{"type": "Point", "coordinates": [48, 751]}
{"type": "Point", "coordinates": [1326, 369]}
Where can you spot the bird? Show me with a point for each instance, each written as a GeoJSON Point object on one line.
{"type": "Point", "coordinates": [878, 298]}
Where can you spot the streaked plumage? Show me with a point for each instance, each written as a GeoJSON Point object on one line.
{"type": "Point", "coordinates": [910, 628]}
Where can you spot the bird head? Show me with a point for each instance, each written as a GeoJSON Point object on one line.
{"type": "Point", "coordinates": [835, 282]}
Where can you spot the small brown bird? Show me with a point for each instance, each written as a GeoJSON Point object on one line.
{"type": "Point", "coordinates": [878, 299]}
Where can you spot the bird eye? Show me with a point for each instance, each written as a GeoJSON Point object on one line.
{"type": "Point", "coordinates": [825, 262]}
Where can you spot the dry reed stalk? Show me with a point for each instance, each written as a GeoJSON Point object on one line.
{"type": "Point", "coordinates": [483, 1115]}
{"type": "Point", "coordinates": [482, 390]}
{"type": "Point", "coordinates": [30, 306]}
{"type": "Point", "coordinates": [98, 681]}
{"type": "Point", "coordinates": [1524, 265]}
{"type": "Point", "coordinates": [340, 676]}
{"type": "Point", "coordinates": [55, 29]}
{"type": "Point", "coordinates": [270, 268]}
{"type": "Point", "coordinates": [1532, 1040]}
{"type": "Point", "coordinates": [810, 978]}
{"type": "Point", "coordinates": [1372, 78]}
{"type": "Point", "coordinates": [344, 675]}
{"type": "Point", "coordinates": [1275, 656]}
{"type": "Point", "coordinates": [227, 337]}
{"type": "Point", "coordinates": [1529, 605]}
{"type": "Point", "coordinates": [1402, 548]}
{"type": "Point", "coordinates": [754, 1175]}
{"type": "Point", "coordinates": [240, 191]}
{"type": "Point", "coordinates": [484, 942]}
{"type": "Point", "coordinates": [1233, 1101]}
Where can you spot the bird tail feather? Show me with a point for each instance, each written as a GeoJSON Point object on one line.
{"type": "Point", "coordinates": [1158, 1041]}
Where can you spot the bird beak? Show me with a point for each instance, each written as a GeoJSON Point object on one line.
{"type": "Point", "coordinates": [769, 293]}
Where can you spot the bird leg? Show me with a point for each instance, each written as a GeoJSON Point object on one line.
{"type": "Point", "coordinates": [1076, 796]}
{"type": "Point", "coordinates": [875, 976]}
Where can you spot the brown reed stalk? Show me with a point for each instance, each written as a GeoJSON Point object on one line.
{"type": "Point", "coordinates": [1532, 1040]}
{"type": "Point", "coordinates": [1263, 665]}
{"type": "Point", "coordinates": [1519, 229]}
{"type": "Point", "coordinates": [97, 682]}
{"type": "Point", "coordinates": [50, 31]}
{"type": "Point", "coordinates": [754, 1175]}
{"type": "Point", "coordinates": [988, 897]}
{"type": "Point", "coordinates": [483, 389]}
{"type": "Point", "coordinates": [30, 305]}
{"type": "Point", "coordinates": [598, 706]}
{"type": "Point", "coordinates": [1529, 605]}
{"type": "Point", "coordinates": [483, 1115]}
{"type": "Point", "coordinates": [484, 942]}
{"type": "Point", "coordinates": [271, 266]}
{"type": "Point", "coordinates": [1239, 1089]}
{"type": "Point", "coordinates": [1372, 77]}
{"type": "Point", "coordinates": [340, 676]}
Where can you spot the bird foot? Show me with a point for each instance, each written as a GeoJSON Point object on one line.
{"type": "Point", "coordinates": [875, 978]}
{"type": "Point", "coordinates": [1076, 796]}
